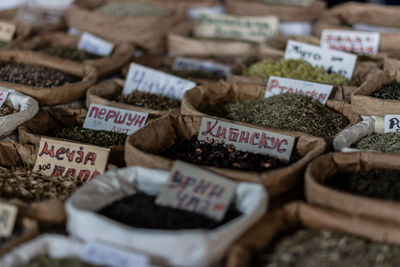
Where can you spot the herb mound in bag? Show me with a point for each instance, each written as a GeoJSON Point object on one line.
{"type": "Point", "coordinates": [285, 112]}
{"type": "Point", "coordinates": [385, 142]}
{"type": "Point", "coordinates": [139, 210]}
{"type": "Point", "coordinates": [6, 110]}
{"type": "Point", "coordinates": [391, 92]}
{"type": "Point", "coordinates": [221, 156]}
{"type": "Point", "coordinates": [70, 53]}
{"type": "Point", "coordinates": [121, 9]}
{"type": "Point", "coordinates": [45, 261]}
{"type": "Point", "coordinates": [148, 100]}
{"type": "Point", "coordinates": [321, 248]}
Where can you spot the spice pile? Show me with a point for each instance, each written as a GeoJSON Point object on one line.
{"type": "Point", "coordinates": [148, 100]}
{"type": "Point", "coordinates": [121, 9]}
{"type": "Point", "coordinates": [45, 261]}
{"type": "Point", "coordinates": [391, 92]}
{"type": "Point", "coordinates": [6, 110]}
{"type": "Point", "coordinates": [70, 53]}
{"type": "Point", "coordinates": [386, 142]}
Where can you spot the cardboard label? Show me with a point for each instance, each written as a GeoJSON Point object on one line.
{"type": "Point", "coordinates": [303, 3]}
{"type": "Point", "coordinates": [295, 28]}
{"type": "Point", "coordinates": [3, 97]}
{"type": "Point", "coordinates": [182, 63]}
{"type": "Point", "coordinates": [157, 82]}
{"type": "Point", "coordinates": [7, 31]}
{"type": "Point", "coordinates": [194, 12]}
{"type": "Point", "coordinates": [194, 189]}
{"type": "Point", "coordinates": [95, 45]}
{"type": "Point", "coordinates": [8, 214]}
{"type": "Point", "coordinates": [74, 31]}
{"type": "Point", "coordinates": [67, 159]}
{"type": "Point", "coordinates": [351, 41]}
{"type": "Point", "coordinates": [374, 28]}
{"type": "Point", "coordinates": [278, 85]}
{"type": "Point", "coordinates": [327, 59]}
{"type": "Point", "coordinates": [247, 139]}
{"type": "Point", "coordinates": [251, 29]}
{"type": "Point", "coordinates": [392, 123]}
{"type": "Point", "coordinates": [112, 119]}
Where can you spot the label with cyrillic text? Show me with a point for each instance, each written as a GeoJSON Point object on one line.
{"type": "Point", "coordinates": [194, 189]}
{"type": "Point", "coordinates": [251, 29]}
{"type": "Point", "coordinates": [327, 59]}
{"type": "Point", "coordinates": [374, 28]}
{"type": "Point", "coordinates": [247, 139]}
{"type": "Point", "coordinates": [67, 159]}
{"type": "Point", "coordinates": [146, 79]}
{"type": "Point", "coordinates": [194, 12]}
{"type": "Point", "coordinates": [351, 41]}
{"type": "Point", "coordinates": [113, 119]}
{"type": "Point", "coordinates": [7, 31]}
{"type": "Point", "coordinates": [189, 64]}
{"type": "Point", "coordinates": [95, 45]}
{"type": "Point", "coordinates": [8, 214]}
{"type": "Point", "coordinates": [278, 85]}
{"type": "Point", "coordinates": [392, 123]}
{"type": "Point", "coordinates": [3, 97]}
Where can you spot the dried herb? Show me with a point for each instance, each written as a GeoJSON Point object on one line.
{"type": "Point", "coordinates": [139, 210]}
{"type": "Point", "coordinates": [37, 76]}
{"type": "Point", "coordinates": [46, 261]}
{"type": "Point", "coordinates": [285, 112]}
{"type": "Point", "coordinates": [91, 137]}
{"type": "Point", "coordinates": [23, 184]}
{"type": "Point", "coordinates": [386, 142]}
{"type": "Point", "coordinates": [313, 248]}
{"type": "Point", "coordinates": [221, 156]}
{"type": "Point", "coordinates": [6, 110]}
{"type": "Point", "coordinates": [391, 91]}
{"type": "Point", "coordinates": [70, 53]}
{"type": "Point", "coordinates": [148, 100]}
{"type": "Point", "coordinates": [121, 9]}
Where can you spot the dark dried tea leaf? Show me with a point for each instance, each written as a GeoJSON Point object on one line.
{"type": "Point", "coordinates": [70, 53]}
{"type": "Point", "coordinates": [148, 100]}
{"type": "Point", "coordinates": [386, 142]}
{"type": "Point", "coordinates": [6, 110]}
{"type": "Point", "coordinates": [391, 92]}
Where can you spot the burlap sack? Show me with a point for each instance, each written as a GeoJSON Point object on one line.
{"type": "Point", "coordinates": [143, 146]}
{"type": "Point", "coordinates": [121, 55]}
{"type": "Point", "coordinates": [328, 165]}
{"type": "Point", "coordinates": [51, 96]}
{"type": "Point", "coordinates": [298, 215]}
{"type": "Point", "coordinates": [363, 104]}
{"type": "Point", "coordinates": [279, 42]}
{"type": "Point", "coordinates": [148, 32]}
{"type": "Point", "coordinates": [22, 32]}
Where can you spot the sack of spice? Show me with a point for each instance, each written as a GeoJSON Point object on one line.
{"type": "Point", "coordinates": [22, 31]}
{"type": "Point", "coordinates": [305, 235]}
{"type": "Point", "coordinates": [162, 232]}
{"type": "Point", "coordinates": [17, 109]}
{"type": "Point", "coordinates": [65, 46]}
{"type": "Point", "coordinates": [50, 81]}
{"type": "Point", "coordinates": [131, 21]}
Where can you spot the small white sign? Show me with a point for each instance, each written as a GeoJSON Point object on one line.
{"type": "Point", "coordinates": [197, 190]}
{"type": "Point", "coordinates": [374, 28]}
{"type": "Point", "coordinates": [95, 45]}
{"type": "Point", "coordinates": [157, 82]}
{"type": "Point", "coordinates": [7, 31]}
{"type": "Point", "coordinates": [392, 123]}
{"type": "Point", "coordinates": [3, 97]}
{"type": "Point", "coordinates": [327, 59]}
{"type": "Point", "coordinates": [278, 85]}
{"type": "Point", "coordinates": [194, 12]}
{"type": "Point", "coordinates": [8, 214]}
{"type": "Point", "coordinates": [295, 28]}
{"type": "Point", "coordinates": [182, 63]}
{"type": "Point", "coordinates": [113, 119]}
{"type": "Point", "coordinates": [74, 31]}
{"type": "Point", "coordinates": [247, 139]}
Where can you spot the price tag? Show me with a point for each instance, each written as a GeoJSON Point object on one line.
{"type": "Point", "coordinates": [150, 80]}
{"type": "Point", "coordinates": [392, 123]}
{"type": "Point", "coordinates": [113, 119]}
{"type": "Point", "coordinates": [189, 64]}
{"type": "Point", "coordinates": [194, 189]}
{"type": "Point", "coordinates": [295, 28]}
{"type": "Point", "coordinates": [95, 45]}
{"type": "Point", "coordinates": [246, 139]}
{"type": "Point", "coordinates": [8, 215]}
{"type": "Point", "coordinates": [327, 59]}
{"type": "Point", "coordinates": [251, 29]}
{"type": "Point", "coordinates": [374, 28]}
{"type": "Point", "coordinates": [7, 31]}
{"type": "Point", "coordinates": [67, 159]}
{"type": "Point", "coordinates": [3, 97]}
{"type": "Point", "coordinates": [74, 31]}
{"type": "Point", "coordinates": [351, 41]}
{"type": "Point", "coordinates": [194, 12]}
{"type": "Point", "coordinates": [318, 91]}
{"type": "Point", "coordinates": [303, 3]}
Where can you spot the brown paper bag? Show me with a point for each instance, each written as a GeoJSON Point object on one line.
{"type": "Point", "coordinates": [51, 96]}
{"type": "Point", "coordinates": [122, 54]}
{"type": "Point", "coordinates": [143, 146]}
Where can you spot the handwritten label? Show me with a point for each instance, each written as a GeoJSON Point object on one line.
{"type": "Point", "coordinates": [303, 3]}
{"type": "Point", "coordinates": [194, 189]}
{"type": "Point", "coordinates": [157, 82]}
{"type": "Point", "coordinates": [351, 41]}
{"type": "Point", "coordinates": [189, 64]}
{"type": "Point", "coordinates": [3, 97]}
{"type": "Point", "coordinates": [112, 119]}
{"type": "Point", "coordinates": [246, 139]}
{"type": "Point", "coordinates": [8, 214]}
{"type": "Point", "coordinates": [7, 31]}
{"type": "Point", "coordinates": [67, 159]}
{"type": "Point", "coordinates": [392, 123]}
{"type": "Point", "coordinates": [295, 28]}
{"type": "Point", "coordinates": [277, 86]}
{"type": "Point", "coordinates": [252, 29]}
{"type": "Point", "coordinates": [194, 12]}
{"type": "Point", "coordinates": [374, 28]}
{"type": "Point", "coordinates": [95, 45]}
{"type": "Point", "coordinates": [105, 255]}
{"type": "Point", "coordinates": [327, 59]}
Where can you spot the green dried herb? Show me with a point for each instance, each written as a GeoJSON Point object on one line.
{"type": "Point", "coordinates": [46, 261]}
{"type": "Point", "coordinates": [386, 142]}
{"type": "Point", "coordinates": [148, 100]}
{"type": "Point", "coordinates": [121, 9]}
{"type": "Point", "coordinates": [286, 112]}
{"type": "Point", "coordinates": [6, 110]}
{"type": "Point", "coordinates": [70, 53]}
{"type": "Point", "coordinates": [91, 137]}
{"type": "Point", "coordinates": [391, 91]}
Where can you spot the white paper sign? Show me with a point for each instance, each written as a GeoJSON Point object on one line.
{"type": "Point", "coordinates": [95, 45]}
{"type": "Point", "coordinates": [247, 139]}
{"type": "Point", "coordinates": [74, 31]}
{"type": "Point", "coordinates": [327, 59]}
{"type": "Point", "coordinates": [374, 28]}
{"type": "Point", "coordinates": [197, 190]}
{"type": "Point", "coordinates": [392, 123]}
{"type": "Point", "coordinates": [351, 41]}
{"type": "Point", "coordinates": [194, 12]}
{"type": "Point", "coordinates": [113, 119]}
{"type": "Point", "coordinates": [3, 97]}
{"type": "Point", "coordinates": [278, 85]}
{"type": "Point", "coordinates": [190, 64]}
{"type": "Point", "coordinates": [8, 214]}
{"type": "Point", "coordinates": [150, 80]}
{"type": "Point", "coordinates": [295, 28]}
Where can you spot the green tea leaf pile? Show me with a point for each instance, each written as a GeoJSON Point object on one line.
{"type": "Point", "coordinates": [121, 9]}
{"type": "Point", "coordinates": [386, 142]}
{"type": "Point", "coordinates": [391, 92]}
{"type": "Point", "coordinates": [70, 53]}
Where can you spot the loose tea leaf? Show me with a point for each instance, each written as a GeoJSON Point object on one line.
{"type": "Point", "coordinates": [70, 53]}
{"type": "Point", "coordinates": [148, 100]}
{"type": "Point", "coordinates": [121, 9]}
{"type": "Point", "coordinates": [220, 155]}
{"type": "Point", "coordinates": [139, 210]}
{"type": "Point", "coordinates": [391, 91]}
{"type": "Point", "coordinates": [91, 137]}
{"type": "Point", "coordinates": [46, 261]}
{"type": "Point", "coordinates": [313, 248]}
{"type": "Point", "coordinates": [382, 184]}
{"type": "Point", "coordinates": [6, 110]}
{"type": "Point", "coordinates": [23, 184]}
{"type": "Point", "coordinates": [386, 142]}
{"type": "Point", "coordinates": [37, 76]}
{"type": "Point", "coordinates": [285, 112]}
